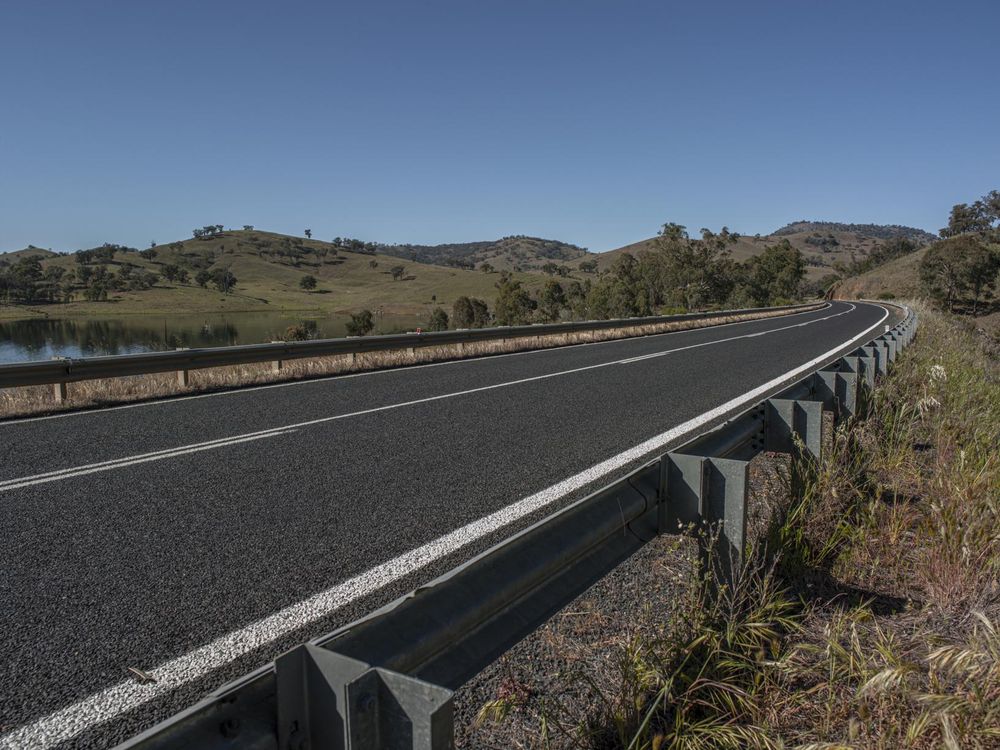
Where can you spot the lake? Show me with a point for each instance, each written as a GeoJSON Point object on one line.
{"type": "Point", "coordinates": [45, 338]}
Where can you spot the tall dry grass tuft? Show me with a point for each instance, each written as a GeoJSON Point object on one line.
{"type": "Point", "coordinates": [874, 619]}
{"type": "Point", "coordinates": [19, 402]}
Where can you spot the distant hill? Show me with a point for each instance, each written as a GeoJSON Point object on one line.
{"type": "Point", "coordinates": [876, 231]}
{"type": "Point", "coordinates": [269, 268]}
{"type": "Point", "coordinates": [514, 253]}
{"type": "Point", "coordinates": [822, 244]}
{"type": "Point", "coordinates": [29, 252]}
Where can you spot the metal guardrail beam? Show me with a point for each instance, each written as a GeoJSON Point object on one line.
{"type": "Point", "coordinates": [58, 372]}
{"type": "Point", "coordinates": [386, 681]}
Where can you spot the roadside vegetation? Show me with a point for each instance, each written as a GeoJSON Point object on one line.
{"type": "Point", "coordinates": [959, 273]}
{"type": "Point", "coordinates": [868, 613]}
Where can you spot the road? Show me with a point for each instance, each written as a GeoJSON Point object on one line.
{"type": "Point", "coordinates": [194, 539]}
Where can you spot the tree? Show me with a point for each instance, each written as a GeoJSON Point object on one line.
{"type": "Point", "coordinates": [202, 278]}
{"type": "Point", "coordinates": [248, 227]}
{"type": "Point", "coordinates": [978, 217]}
{"type": "Point", "coordinates": [774, 276]}
{"type": "Point", "coordinates": [307, 282]}
{"type": "Point", "coordinates": [941, 273]}
{"type": "Point", "coordinates": [468, 312]}
{"type": "Point", "coordinates": [979, 269]}
{"type": "Point", "coordinates": [373, 264]}
{"type": "Point", "coordinates": [486, 268]}
{"type": "Point", "coordinates": [309, 234]}
{"type": "Point", "coordinates": [438, 321]}
{"type": "Point", "coordinates": [588, 266]}
{"type": "Point", "coordinates": [224, 280]}
{"type": "Point", "coordinates": [553, 299]}
{"type": "Point", "coordinates": [360, 324]}
{"type": "Point", "coordinates": [397, 272]}
{"type": "Point", "coordinates": [513, 304]}
{"type": "Point", "coordinates": [171, 271]}
{"type": "Point", "coordinates": [961, 270]}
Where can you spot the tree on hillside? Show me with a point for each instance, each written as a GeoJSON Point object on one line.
{"type": "Point", "coordinates": [688, 273]}
{"type": "Point", "coordinates": [553, 299]}
{"type": "Point", "coordinates": [360, 324]}
{"type": "Point", "coordinates": [397, 272]}
{"type": "Point", "coordinates": [514, 305]}
{"type": "Point", "coordinates": [468, 312]}
{"type": "Point", "coordinates": [438, 320]}
{"type": "Point", "coordinates": [979, 270]}
{"type": "Point", "coordinates": [941, 273]}
{"type": "Point", "coordinates": [588, 266]}
{"type": "Point", "coordinates": [773, 277]}
{"type": "Point", "coordinates": [621, 292]}
{"type": "Point", "coordinates": [224, 280]}
{"type": "Point", "coordinates": [307, 282]}
{"type": "Point", "coordinates": [248, 227]}
{"type": "Point", "coordinates": [978, 217]}
{"type": "Point", "coordinates": [309, 234]}
{"type": "Point", "coordinates": [202, 278]}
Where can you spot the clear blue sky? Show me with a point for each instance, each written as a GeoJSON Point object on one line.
{"type": "Point", "coordinates": [591, 122]}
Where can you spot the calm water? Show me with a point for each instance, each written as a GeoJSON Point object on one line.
{"type": "Point", "coordinates": [44, 338]}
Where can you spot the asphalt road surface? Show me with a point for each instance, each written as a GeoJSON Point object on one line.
{"type": "Point", "coordinates": [194, 539]}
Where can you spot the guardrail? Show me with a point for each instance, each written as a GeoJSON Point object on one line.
{"type": "Point", "coordinates": [387, 680]}
{"type": "Point", "coordinates": [59, 372]}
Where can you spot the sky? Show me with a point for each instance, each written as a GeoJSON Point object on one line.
{"type": "Point", "coordinates": [427, 122]}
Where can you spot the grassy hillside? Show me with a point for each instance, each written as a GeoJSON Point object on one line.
{"type": "Point", "coordinates": [268, 268]}
{"type": "Point", "coordinates": [29, 252]}
{"type": "Point", "coordinates": [515, 253]}
{"type": "Point", "coordinates": [899, 277]}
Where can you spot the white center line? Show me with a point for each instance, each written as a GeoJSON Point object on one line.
{"type": "Point", "coordinates": [117, 700]}
{"type": "Point", "coordinates": [119, 463]}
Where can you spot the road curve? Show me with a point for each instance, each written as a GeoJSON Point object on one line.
{"type": "Point", "coordinates": [194, 539]}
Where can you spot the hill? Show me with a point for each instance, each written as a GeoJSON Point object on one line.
{"type": "Point", "coordinates": [514, 253]}
{"type": "Point", "coordinates": [822, 250]}
{"type": "Point", "coordinates": [898, 278]}
{"type": "Point", "coordinates": [29, 252]}
{"type": "Point", "coordinates": [874, 231]}
{"type": "Point", "coordinates": [268, 269]}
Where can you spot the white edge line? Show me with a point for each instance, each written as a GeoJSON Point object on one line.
{"type": "Point", "coordinates": [105, 705]}
{"type": "Point", "coordinates": [305, 381]}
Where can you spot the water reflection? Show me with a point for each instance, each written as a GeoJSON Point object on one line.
{"type": "Point", "coordinates": [44, 338]}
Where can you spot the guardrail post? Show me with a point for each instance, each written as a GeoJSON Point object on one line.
{"type": "Point", "coordinates": [838, 388]}
{"type": "Point", "coordinates": [709, 493]}
{"type": "Point", "coordinates": [183, 376]}
{"type": "Point", "coordinates": [784, 418]}
{"type": "Point", "coordinates": [59, 392]}
{"type": "Point", "coordinates": [328, 700]}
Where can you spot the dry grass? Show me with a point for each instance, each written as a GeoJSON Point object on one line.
{"type": "Point", "coordinates": [18, 402]}
{"type": "Point", "coordinates": [877, 622]}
